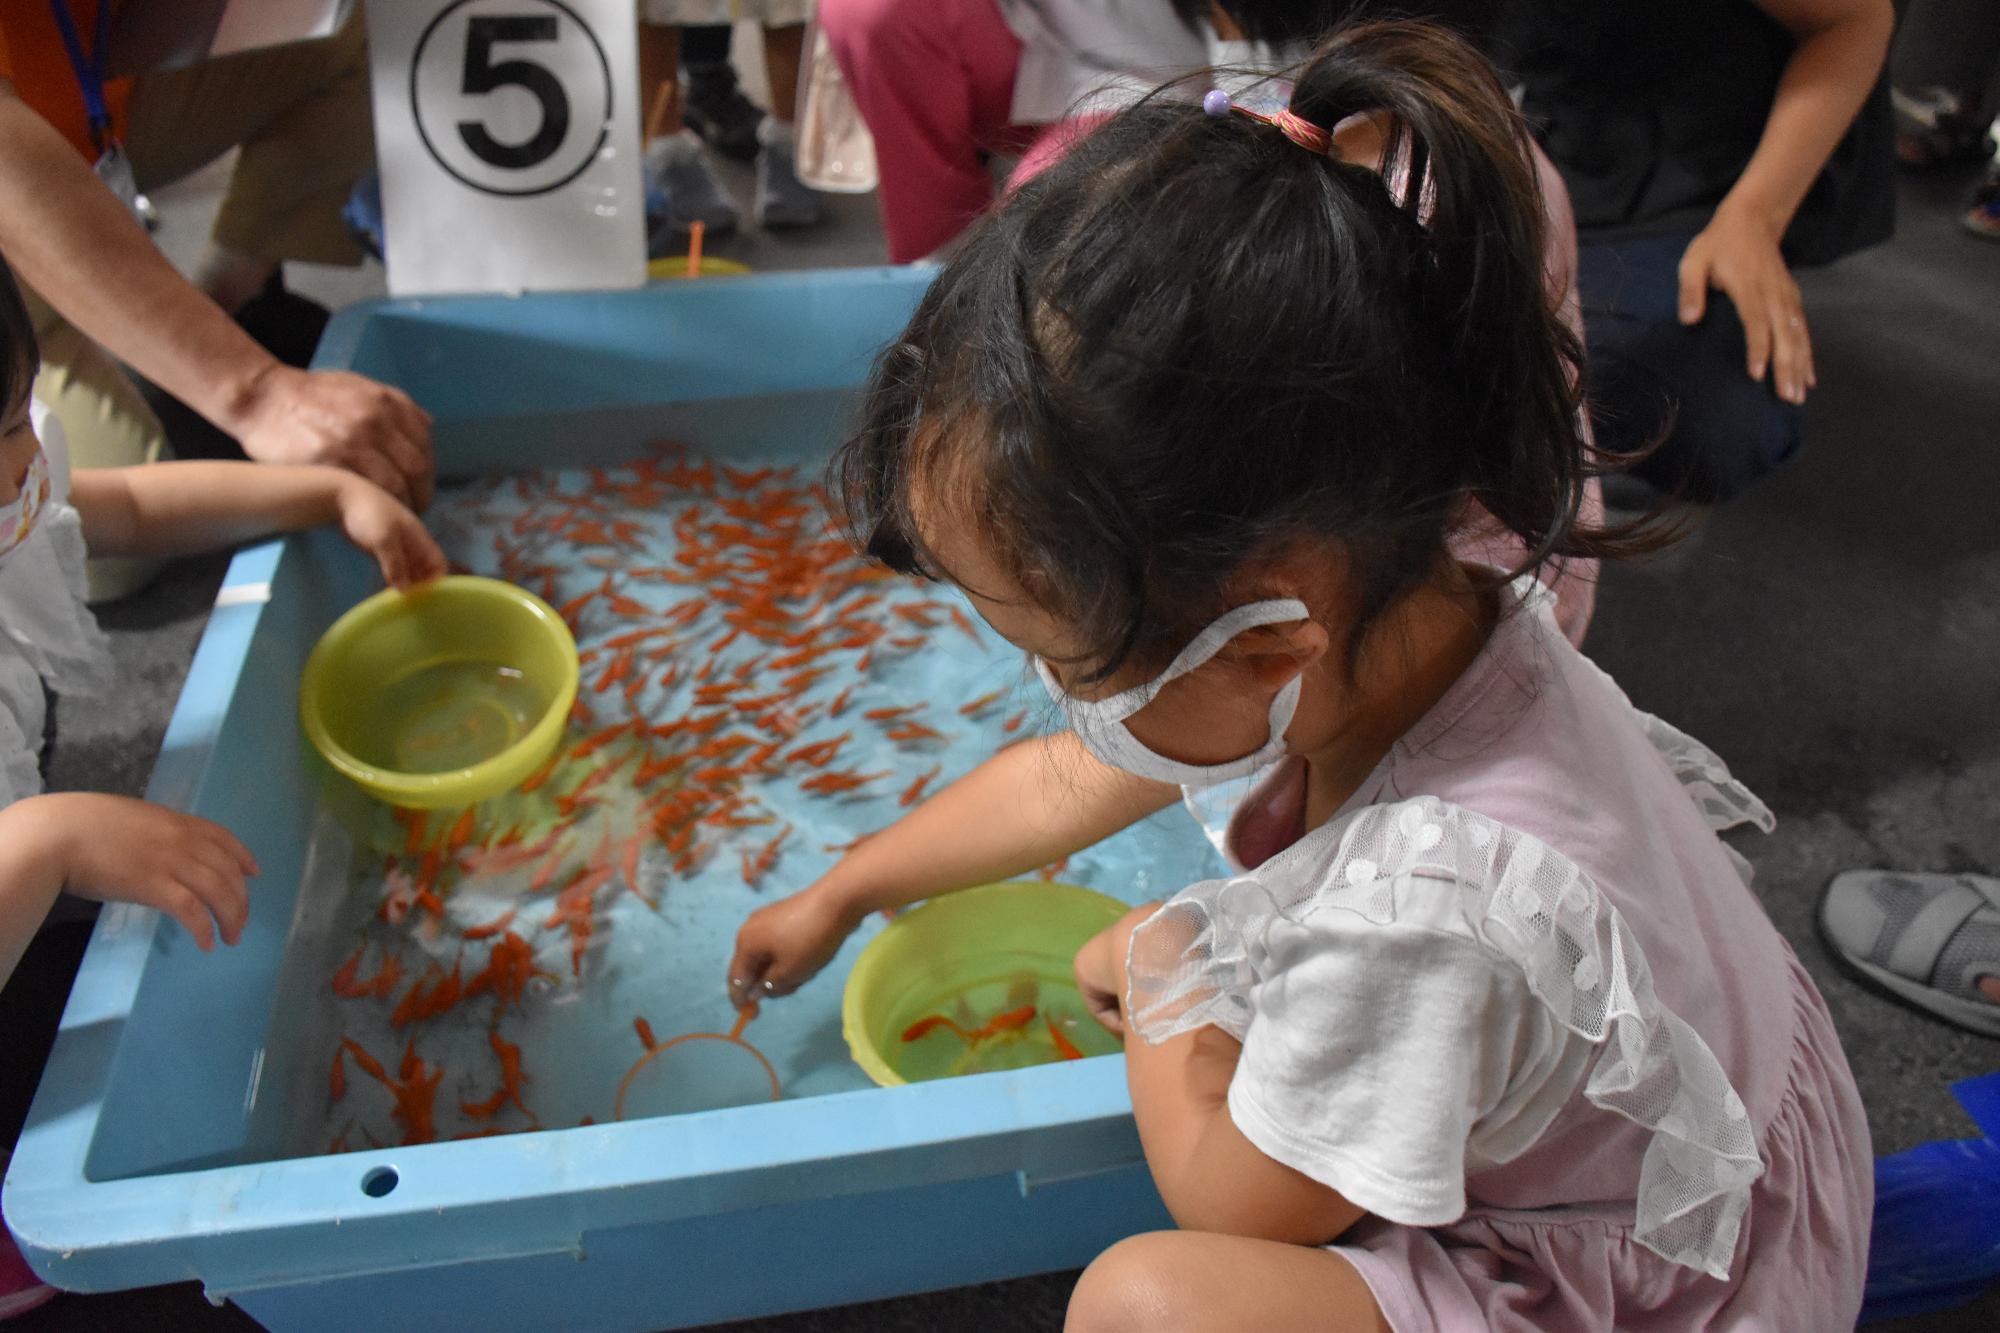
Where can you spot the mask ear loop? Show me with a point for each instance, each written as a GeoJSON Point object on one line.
{"type": "Point", "coordinates": [1204, 646]}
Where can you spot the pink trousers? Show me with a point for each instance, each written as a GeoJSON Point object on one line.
{"type": "Point", "coordinates": [934, 79]}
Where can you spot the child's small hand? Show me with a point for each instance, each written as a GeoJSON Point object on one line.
{"type": "Point", "coordinates": [1100, 969]}
{"type": "Point", "coordinates": [383, 526]}
{"type": "Point", "coordinates": [116, 849]}
{"type": "Point", "coordinates": [783, 946]}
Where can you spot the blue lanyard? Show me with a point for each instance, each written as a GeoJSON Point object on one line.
{"type": "Point", "coordinates": [89, 68]}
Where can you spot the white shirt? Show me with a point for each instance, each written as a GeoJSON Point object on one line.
{"type": "Point", "coordinates": [1095, 55]}
{"type": "Point", "coordinates": [47, 633]}
{"type": "Point", "coordinates": [1392, 1060]}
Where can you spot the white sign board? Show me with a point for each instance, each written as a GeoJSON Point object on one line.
{"type": "Point", "coordinates": [507, 135]}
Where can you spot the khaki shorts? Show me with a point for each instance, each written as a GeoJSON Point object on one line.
{"type": "Point", "coordinates": [299, 115]}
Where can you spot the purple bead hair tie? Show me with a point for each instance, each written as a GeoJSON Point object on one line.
{"type": "Point", "coordinates": [1297, 128]}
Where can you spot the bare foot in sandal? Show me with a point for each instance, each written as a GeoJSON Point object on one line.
{"type": "Point", "coordinates": [1931, 941]}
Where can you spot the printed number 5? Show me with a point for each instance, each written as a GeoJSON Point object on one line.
{"type": "Point", "coordinates": [483, 76]}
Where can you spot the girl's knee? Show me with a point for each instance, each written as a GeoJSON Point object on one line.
{"type": "Point", "coordinates": [1129, 1287]}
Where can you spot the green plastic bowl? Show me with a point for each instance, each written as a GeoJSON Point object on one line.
{"type": "Point", "coordinates": [979, 951]}
{"type": "Point", "coordinates": [442, 696]}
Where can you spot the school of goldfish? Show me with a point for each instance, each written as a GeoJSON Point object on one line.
{"type": "Point", "coordinates": [720, 616]}
{"type": "Point", "coordinates": [1013, 1023]}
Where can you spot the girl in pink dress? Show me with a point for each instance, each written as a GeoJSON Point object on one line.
{"type": "Point", "coordinates": [1486, 1028]}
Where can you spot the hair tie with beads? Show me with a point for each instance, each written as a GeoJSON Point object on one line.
{"type": "Point", "coordinates": [1288, 122]}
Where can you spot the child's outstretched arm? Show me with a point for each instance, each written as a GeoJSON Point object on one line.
{"type": "Point", "coordinates": [169, 509]}
{"type": "Point", "coordinates": [1209, 1175]}
{"type": "Point", "coordinates": [1029, 805]}
{"type": "Point", "coordinates": [116, 849]}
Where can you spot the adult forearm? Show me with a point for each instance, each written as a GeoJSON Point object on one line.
{"type": "Point", "coordinates": [75, 243]}
{"type": "Point", "coordinates": [1825, 83]}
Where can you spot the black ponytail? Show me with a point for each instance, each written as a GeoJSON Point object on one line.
{"type": "Point", "coordinates": [1457, 157]}
{"type": "Point", "coordinates": [1192, 341]}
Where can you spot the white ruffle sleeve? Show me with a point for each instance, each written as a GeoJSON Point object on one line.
{"type": "Point", "coordinates": [1217, 954]}
{"type": "Point", "coordinates": [1387, 1060]}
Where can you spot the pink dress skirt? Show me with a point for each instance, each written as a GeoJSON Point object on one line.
{"type": "Point", "coordinates": [1800, 1258]}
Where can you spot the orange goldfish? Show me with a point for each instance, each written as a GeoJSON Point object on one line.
{"type": "Point", "coordinates": [832, 784]}
{"type": "Point", "coordinates": [915, 791]}
{"type": "Point", "coordinates": [490, 928]}
{"type": "Point", "coordinates": [1066, 1048]}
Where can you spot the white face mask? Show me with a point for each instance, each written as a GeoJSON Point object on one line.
{"type": "Point", "coordinates": [1100, 723]}
{"type": "Point", "coordinates": [19, 515]}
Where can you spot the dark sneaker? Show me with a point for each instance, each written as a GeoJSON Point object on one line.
{"type": "Point", "coordinates": [1934, 126]}
{"type": "Point", "coordinates": [716, 109]}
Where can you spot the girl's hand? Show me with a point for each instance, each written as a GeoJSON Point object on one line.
{"type": "Point", "coordinates": [1100, 969]}
{"type": "Point", "coordinates": [783, 946]}
{"type": "Point", "coordinates": [116, 849]}
{"type": "Point", "coordinates": [383, 526]}
{"type": "Point", "coordinates": [1737, 253]}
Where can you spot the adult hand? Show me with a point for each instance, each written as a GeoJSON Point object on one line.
{"type": "Point", "coordinates": [384, 527]}
{"type": "Point", "coordinates": [783, 946]}
{"type": "Point", "coordinates": [1737, 254]}
{"type": "Point", "coordinates": [116, 849]}
{"type": "Point", "coordinates": [341, 419]}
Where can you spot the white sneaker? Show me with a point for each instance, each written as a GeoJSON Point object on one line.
{"type": "Point", "coordinates": [783, 201]}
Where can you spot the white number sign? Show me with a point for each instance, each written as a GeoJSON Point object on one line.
{"type": "Point", "coordinates": [507, 135]}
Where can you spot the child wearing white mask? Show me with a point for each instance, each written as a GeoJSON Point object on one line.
{"type": "Point", "coordinates": [1487, 1028]}
{"type": "Point", "coordinates": [110, 847]}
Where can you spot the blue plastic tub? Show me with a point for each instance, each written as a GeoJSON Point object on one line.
{"type": "Point", "coordinates": [141, 1164]}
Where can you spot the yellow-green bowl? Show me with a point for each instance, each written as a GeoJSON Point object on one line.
{"type": "Point", "coordinates": [981, 946]}
{"type": "Point", "coordinates": [442, 696]}
{"type": "Point", "coordinates": [712, 266]}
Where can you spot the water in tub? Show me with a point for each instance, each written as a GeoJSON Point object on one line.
{"type": "Point", "coordinates": [754, 697]}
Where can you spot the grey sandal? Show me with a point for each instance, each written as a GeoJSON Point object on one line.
{"type": "Point", "coordinates": [1922, 939]}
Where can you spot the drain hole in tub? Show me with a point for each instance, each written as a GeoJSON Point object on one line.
{"type": "Point", "coordinates": [379, 1182]}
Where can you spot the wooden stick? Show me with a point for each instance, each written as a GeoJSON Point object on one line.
{"type": "Point", "coordinates": [663, 102]}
